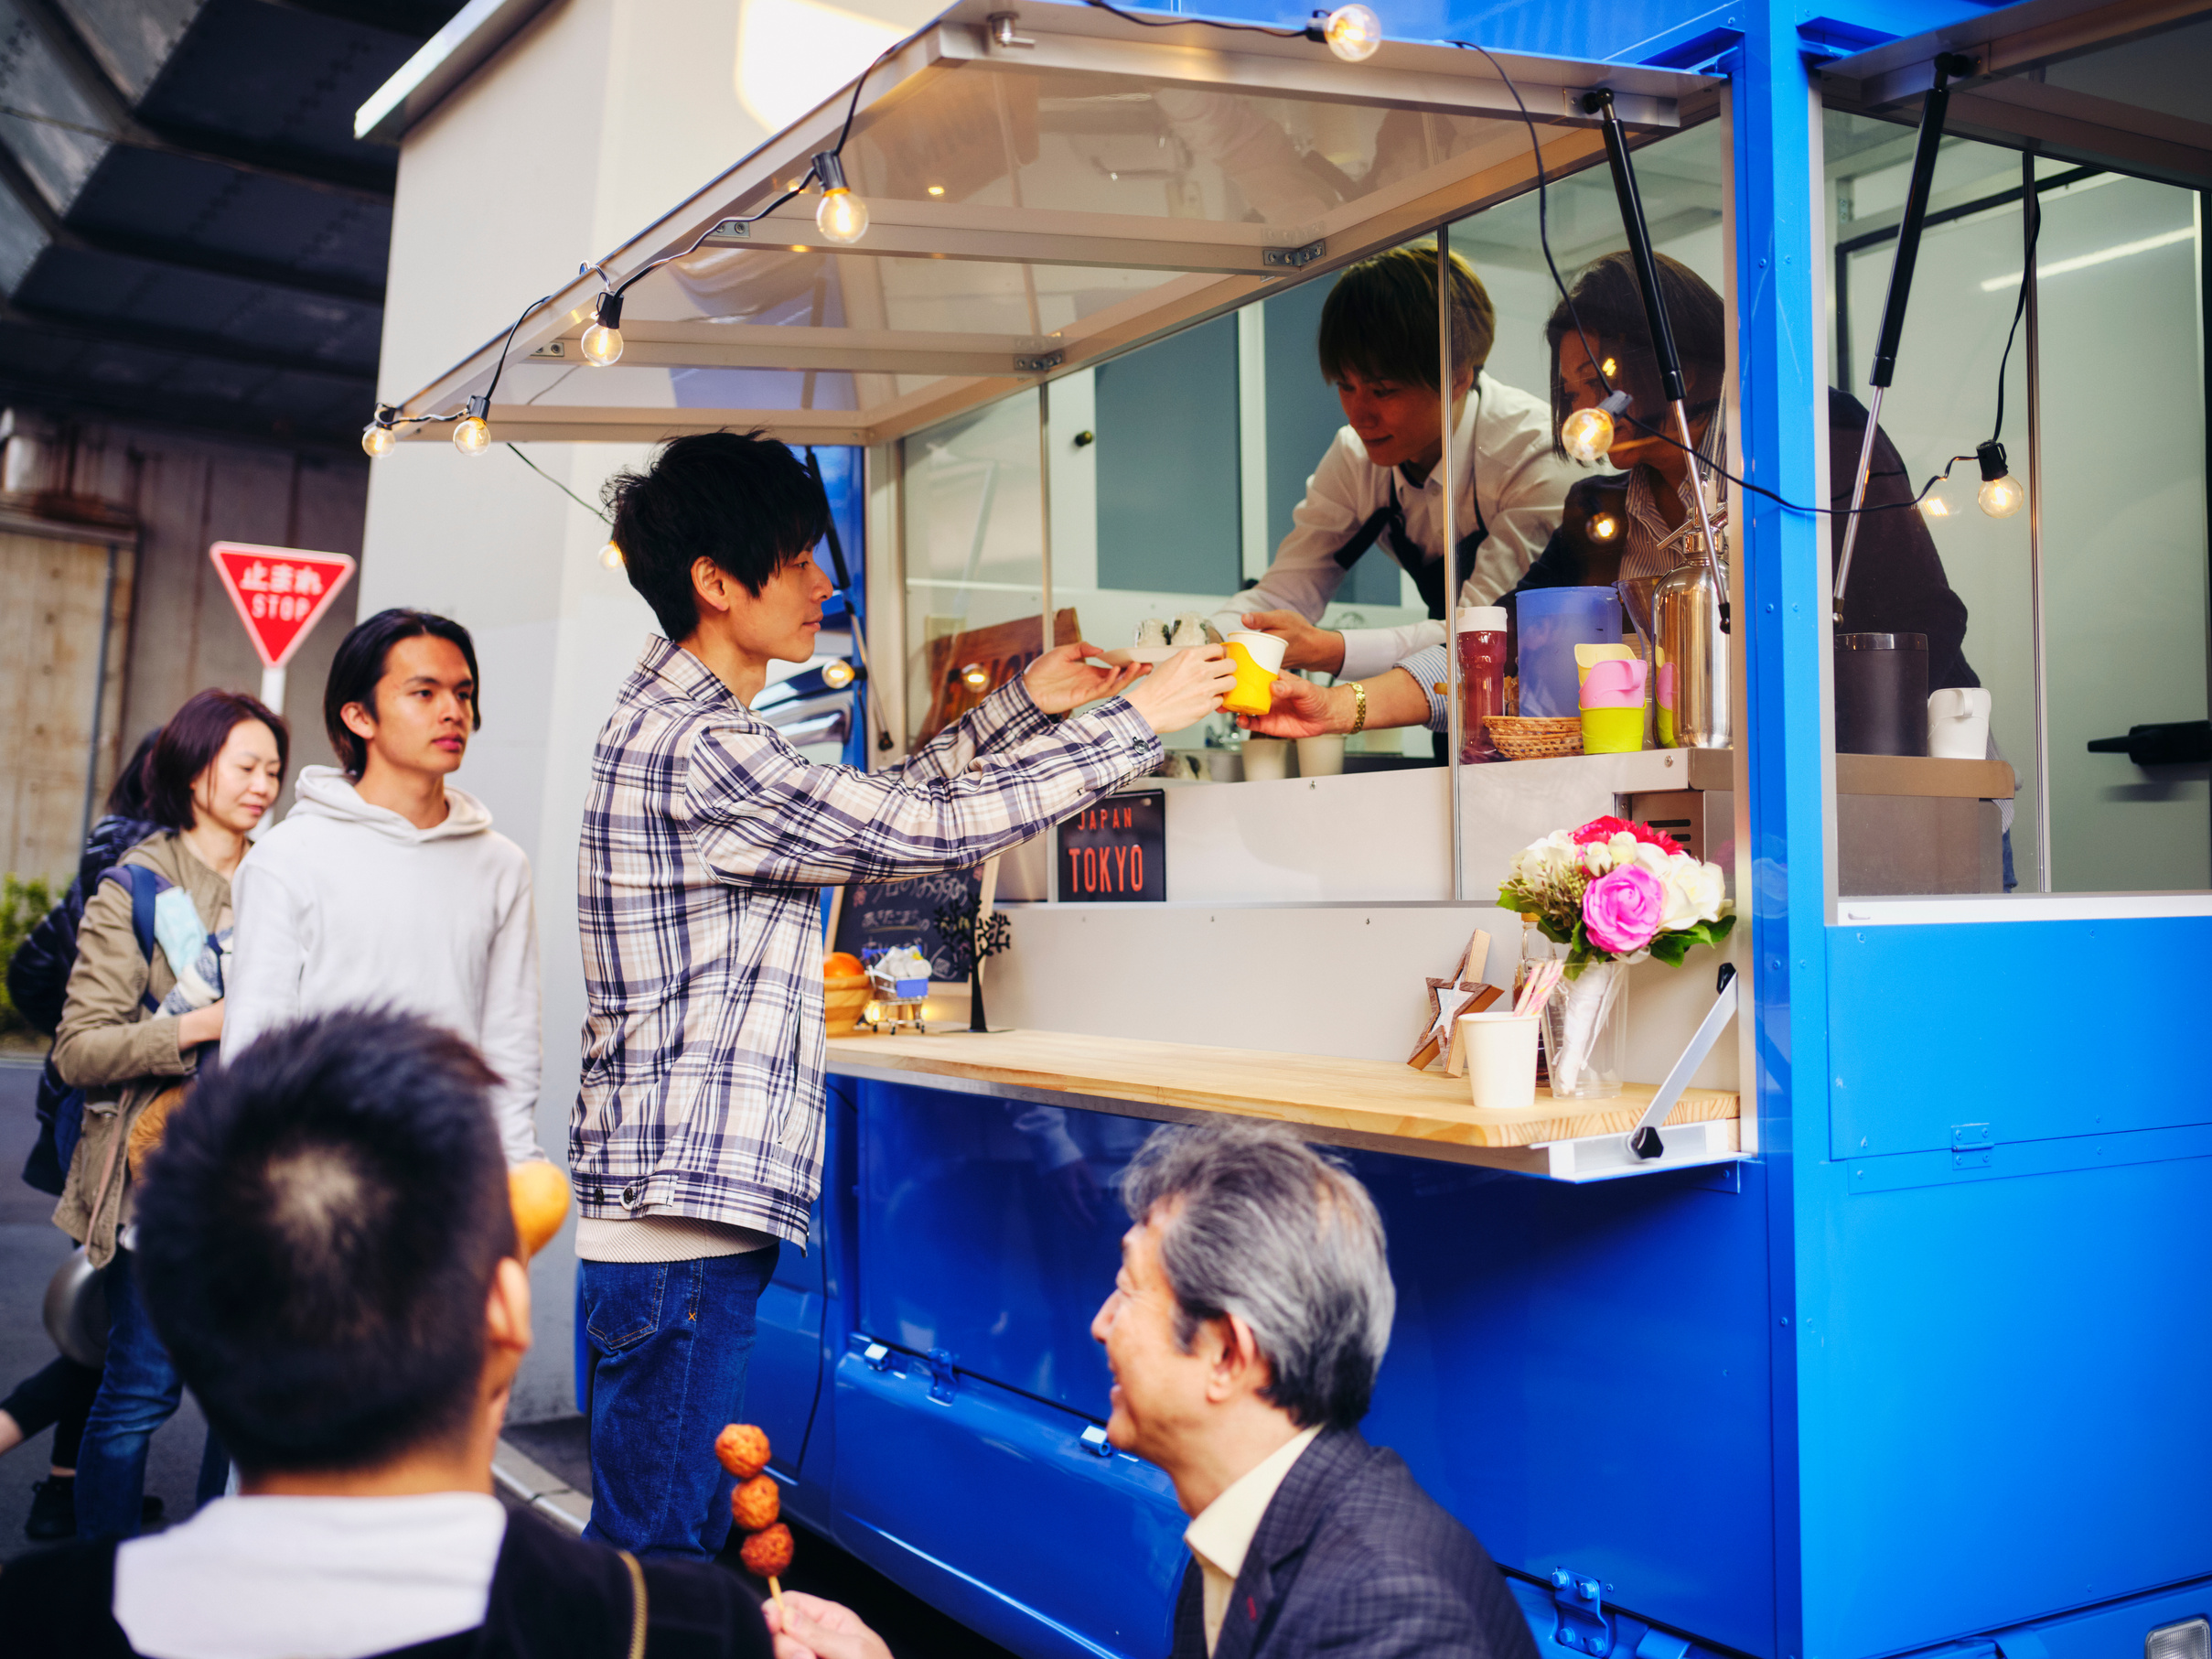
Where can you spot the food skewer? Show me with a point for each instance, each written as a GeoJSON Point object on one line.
{"type": "Point", "coordinates": [756, 1502]}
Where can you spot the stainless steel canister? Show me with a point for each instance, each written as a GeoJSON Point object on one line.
{"type": "Point", "coordinates": [1694, 693]}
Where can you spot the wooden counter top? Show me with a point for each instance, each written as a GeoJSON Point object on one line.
{"type": "Point", "coordinates": [1364, 1102]}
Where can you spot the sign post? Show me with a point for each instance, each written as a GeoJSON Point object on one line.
{"type": "Point", "coordinates": [280, 594]}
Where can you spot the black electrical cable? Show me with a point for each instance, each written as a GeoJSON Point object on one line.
{"type": "Point", "coordinates": [2030, 204]}
{"type": "Point", "coordinates": [1544, 236]}
{"type": "Point", "coordinates": [1243, 28]}
{"type": "Point", "coordinates": [597, 513]}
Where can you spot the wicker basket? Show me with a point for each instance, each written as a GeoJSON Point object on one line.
{"type": "Point", "coordinates": [844, 996]}
{"type": "Point", "coordinates": [1520, 739]}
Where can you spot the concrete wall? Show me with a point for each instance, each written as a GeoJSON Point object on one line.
{"type": "Point", "coordinates": [174, 630]}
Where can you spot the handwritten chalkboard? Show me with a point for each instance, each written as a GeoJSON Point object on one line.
{"type": "Point", "coordinates": [892, 913]}
{"type": "Point", "coordinates": [1116, 852]}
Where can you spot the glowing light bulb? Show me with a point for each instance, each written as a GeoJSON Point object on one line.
{"type": "Point", "coordinates": [610, 555]}
{"type": "Point", "coordinates": [842, 216]}
{"type": "Point", "coordinates": [1604, 527]}
{"type": "Point", "coordinates": [937, 190]}
{"type": "Point", "coordinates": [472, 434]}
{"type": "Point", "coordinates": [976, 676]}
{"type": "Point", "coordinates": [376, 440]}
{"type": "Point", "coordinates": [837, 675]}
{"type": "Point", "coordinates": [2001, 494]}
{"type": "Point", "coordinates": [873, 1013]}
{"type": "Point", "coordinates": [602, 342]}
{"type": "Point", "coordinates": [1587, 435]}
{"type": "Point", "coordinates": [1609, 368]}
{"type": "Point", "coordinates": [1352, 32]}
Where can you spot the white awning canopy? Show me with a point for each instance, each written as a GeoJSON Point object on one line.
{"type": "Point", "coordinates": [1036, 208]}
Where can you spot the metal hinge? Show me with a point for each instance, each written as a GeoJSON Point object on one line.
{"type": "Point", "coordinates": [1972, 1146]}
{"type": "Point", "coordinates": [551, 347]}
{"type": "Point", "coordinates": [1293, 257]}
{"type": "Point", "coordinates": [876, 1356]}
{"type": "Point", "coordinates": [1037, 365]}
{"type": "Point", "coordinates": [943, 1380]}
{"type": "Point", "coordinates": [733, 227]}
{"type": "Point", "coordinates": [1094, 1440]}
{"type": "Point", "coordinates": [1583, 1623]}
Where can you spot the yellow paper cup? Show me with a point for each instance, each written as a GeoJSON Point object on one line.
{"type": "Point", "coordinates": [1612, 731]}
{"type": "Point", "coordinates": [1258, 659]}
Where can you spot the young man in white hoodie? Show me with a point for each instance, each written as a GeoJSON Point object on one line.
{"type": "Point", "coordinates": [385, 886]}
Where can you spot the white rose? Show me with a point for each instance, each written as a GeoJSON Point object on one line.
{"type": "Point", "coordinates": [1694, 892]}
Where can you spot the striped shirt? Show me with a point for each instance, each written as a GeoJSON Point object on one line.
{"type": "Point", "coordinates": [706, 840]}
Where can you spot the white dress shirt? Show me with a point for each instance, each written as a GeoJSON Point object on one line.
{"type": "Point", "coordinates": [1516, 478]}
{"type": "Point", "coordinates": [1221, 1534]}
{"type": "Point", "coordinates": [310, 1577]}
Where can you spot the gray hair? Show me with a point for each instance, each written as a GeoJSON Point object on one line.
{"type": "Point", "coordinates": [1259, 1225]}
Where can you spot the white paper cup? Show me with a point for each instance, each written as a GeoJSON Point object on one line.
{"type": "Point", "coordinates": [1501, 1050]}
{"type": "Point", "coordinates": [1321, 757]}
{"type": "Point", "coordinates": [1266, 759]}
{"type": "Point", "coordinates": [1959, 723]}
{"type": "Point", "coordinates": [1266, 651]}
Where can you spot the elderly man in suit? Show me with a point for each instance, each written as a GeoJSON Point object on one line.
{"type": "Point", "coordinates": [1245, 1330]}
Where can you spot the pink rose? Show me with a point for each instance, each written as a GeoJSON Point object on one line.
{"type": "Point", "coordinates": [1622, 909]}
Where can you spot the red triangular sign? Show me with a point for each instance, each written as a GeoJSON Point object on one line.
{"type": "Point", "coordinates": [280, 592]}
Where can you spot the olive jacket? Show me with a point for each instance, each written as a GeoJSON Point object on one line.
{"type": "Point", "coordinates": [111, 1047]}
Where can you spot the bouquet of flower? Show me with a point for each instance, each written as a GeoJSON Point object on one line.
{"type": "Point", "coordinates": [1612, 892]}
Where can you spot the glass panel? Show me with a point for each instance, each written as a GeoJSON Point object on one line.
{"type": "Point", "coordinates": [2123, 488]}
{"type": "Point", "coordinates": [974, 545]}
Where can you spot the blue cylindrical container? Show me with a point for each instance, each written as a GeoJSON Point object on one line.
{"type": "Point", "coordinates": [1548, 624]}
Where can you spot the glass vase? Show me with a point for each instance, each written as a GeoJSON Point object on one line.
{"type": "Point", "coordinates": [1583, 1023]}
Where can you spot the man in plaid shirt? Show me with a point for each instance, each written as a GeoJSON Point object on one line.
{"type": "Point", "coordinates": [695, 1146]}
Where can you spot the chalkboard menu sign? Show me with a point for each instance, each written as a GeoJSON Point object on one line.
{"type": "Point", "coordinates": [1116, 852]}
{"type": "Point", "coordinates": [892, 913]}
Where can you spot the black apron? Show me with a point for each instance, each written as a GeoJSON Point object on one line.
{"type": "Point", "coordinates": [1387, 524]}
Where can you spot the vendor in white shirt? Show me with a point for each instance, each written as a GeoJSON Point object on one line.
{"type": "Point", "coordinates": [1376, 492]}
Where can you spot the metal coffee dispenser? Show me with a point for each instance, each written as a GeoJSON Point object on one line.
{"type": "Point", "coordinates": [1689, 657]}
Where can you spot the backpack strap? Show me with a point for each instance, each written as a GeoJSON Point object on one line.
{"type": "Point", "coordinates": [145, 886]}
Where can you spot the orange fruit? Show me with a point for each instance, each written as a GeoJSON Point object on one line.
{"type": "Point", "coordinates": [742, 1449]}
{"type": "Point", "coordinates": [756, 1504]}
{"type": "Point", "coordinates": [539, 1192]}
{"type": "Point", "coordinates": [841, 965]}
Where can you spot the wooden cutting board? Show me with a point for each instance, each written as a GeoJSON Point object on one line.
{"type": "Point", "coordinates": [1369, 1097]}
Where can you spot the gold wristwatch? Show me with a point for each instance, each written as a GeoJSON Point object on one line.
{"type": "Point", "coordinates": [1358, 709]}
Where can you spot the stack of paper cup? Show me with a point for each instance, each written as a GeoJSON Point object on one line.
{"type": "Point", "coordinates": [1501, 1050]}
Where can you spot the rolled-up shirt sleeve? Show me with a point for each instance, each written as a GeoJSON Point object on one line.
{"type": "Point", "coordinates": [1430, 668]}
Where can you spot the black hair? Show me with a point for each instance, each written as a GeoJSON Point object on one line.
{"type": "Point", "coordinates": [317, 1237]}
{"type": "Point", "coordinates": [1609, 304]}
{"type": "Point", "coordinates": [187, 745]}
{"type": "Point", "coordinates": [359, 667]}
{"type": "Point", "coordinates": [128, 798]}
{"type": "Point", "coordinates": [1380, 320]}
{"type": "Point", "coordinates": [740, 498]}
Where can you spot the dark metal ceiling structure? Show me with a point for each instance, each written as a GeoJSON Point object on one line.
{"type": "Point", "coordinates": [190, 232]}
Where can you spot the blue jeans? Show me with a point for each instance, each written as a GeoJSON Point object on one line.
{"type": "Point", "coordinates": [666, 1346]}
{"type": "Point", "coordinates": [139, 1391]}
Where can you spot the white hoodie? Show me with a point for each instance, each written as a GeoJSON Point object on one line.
{"type": "Point", "coordinates": [349, 905]}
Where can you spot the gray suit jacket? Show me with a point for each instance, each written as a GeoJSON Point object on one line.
{"type": "Point", "coordinates": [1354, 1559]}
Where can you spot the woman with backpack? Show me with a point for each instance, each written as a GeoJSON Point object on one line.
{"type": "Point", "coordinates": [145, 998]}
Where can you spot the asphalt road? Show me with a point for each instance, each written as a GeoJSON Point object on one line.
{"type": "Point", "coordinates": [31, 1247]}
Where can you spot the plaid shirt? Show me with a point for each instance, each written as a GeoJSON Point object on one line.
{"type": "Point", "coordinates": [706, 840]}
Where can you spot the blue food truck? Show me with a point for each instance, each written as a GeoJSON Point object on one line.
{"type": "Point", "coordinates": [1898, 1343]}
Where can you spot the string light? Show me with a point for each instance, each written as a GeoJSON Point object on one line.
{"type": "Point", "coordinates": [472, 433]}
{"type": "Point", "coordinates": [976, 676]}
{"type": "Point", "coordinates": [2001, 494]}
{"type": "Point", "coordinates": [1604, 527]}
{"type": "Point", "coordinates": [377, 436]}
{"type": "Point", "coordinates": [842, 216]}
{"type": "Point", "coordinates": [1587, 435]}
{"type": "Point", "coordinates": [602, 342]}
{"type": "Point", "coordinates": [1352, 32]}
{"type": "Point", "coordinates": [836, 676]}
{"type": "Point", "coordinates": [610, 555]}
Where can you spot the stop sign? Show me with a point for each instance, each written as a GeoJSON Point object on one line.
{"type": "Point", "coordinates": [280, 592]}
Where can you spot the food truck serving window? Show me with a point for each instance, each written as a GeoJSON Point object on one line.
{"type": "Point", "coordinates": [2060, 582]}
